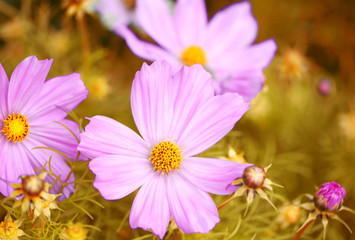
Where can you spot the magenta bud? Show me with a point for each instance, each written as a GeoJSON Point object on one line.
{"type": "Point", "coordinates": [254, 176]}
{"type": "Point", "coordinates": [325, 86]}
{"type": "Point", "coordinates": [329, 197]}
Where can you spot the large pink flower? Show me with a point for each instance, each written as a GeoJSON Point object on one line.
{"type": "Point", "coordinates": [178, 117]}
{"type": "Point", "coordinates": [30, 112]}
{"type": "Point", "coordinates": [222, 45]}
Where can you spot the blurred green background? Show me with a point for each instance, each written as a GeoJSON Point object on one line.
{"type": "Point", "coordinates": [308, 136]}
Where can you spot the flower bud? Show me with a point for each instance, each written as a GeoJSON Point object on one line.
{"type": "Point", "coordinates": [32, 185]}
{"type": "Point", "coordinates": [292, 214]}
{"type": "Point", "coordinates": [10, 229]}
{"type": "Point", "coordinates": [293, 64]}
{"type": "Point", "coordinates": [329, 197]}
{"type": "Point", "coordinates": [75, 232]}
{"type": "Point", "coordinates": [325, 86]}
{"type": "Point", "coordinates": [254, 176]}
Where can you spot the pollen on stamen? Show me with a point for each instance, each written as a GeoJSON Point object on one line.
{"type": "Point", "coordinates": [16, 127]}
{"type": "Point", "coordinates": [193, 55]}
{"type": "Point", "coordinates": [166, 156]}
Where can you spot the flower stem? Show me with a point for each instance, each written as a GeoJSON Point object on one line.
{"type": "Point", "coordinates": [300, 232]}
{"type": "Point", "coordinates": [224, 203]}
{"type": "Point", "coordinates": [85, 43]}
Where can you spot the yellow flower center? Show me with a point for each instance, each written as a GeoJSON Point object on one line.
{"type": "Point", "coordinates": [16, 127]}
{"type": "Point", "coordinates": [193, 55]}
{"type": "Point", "coordinates": [7, 229]}
{"type": "Point", "coordinates": [166, 156]}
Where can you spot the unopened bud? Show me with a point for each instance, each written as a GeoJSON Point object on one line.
{"type": "Point", "coordinates": [329, 197]}
{"type": "Point", "coordinates": [254, 176]}
{"type": "Point", "coordinates": [32, 185]}
{"type": "Point", "coordinates": [292, 214]}
{"type": "Point", "coordinates": [75, 232]}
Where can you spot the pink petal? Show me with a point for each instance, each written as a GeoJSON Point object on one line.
{"type": "Point", "coordinates": [40, 157]}
{"type": "Point", "coordinates": [4, 86]}
{"type": "Point", "coordinates": [14, 162]}
{"type": "Point", "coordinates": [157, 21]}
{"type": "Point", "coordinates": [258, 56]}
{"type": "Point", "coordinates": [152, 102]}
{"type": "Point", "coordinates": [193, 86]}
{"type": "Point", "coordinates": [26, 84]}
{"type": "Point", "coordinates": [56, 136]}
{"type": "Point", "coordinates": [254, 58]}
{"type": "Point", "coordinates": [230, 28]}
{"type": "Point", "coordinates": [119, 175]}
{"type": "Point", "coordinates": [211, 122]}
{"type": "Point", "coordinates": [192, 209]}
{"type": "Point", "coordinates": [59, 96]}
{"type": "Point", "coordinates": [105, 136]}
{"type": "Point", "coordinates": [191, 20]}
{"type": "Point", "coordinates": [212, 175]}
{"type": "Point", "coordinates": [247, 84]}
{"type": "Point", "coordinates": [150, 209]}
{"type": "Point", "coordinates": [148, 51]}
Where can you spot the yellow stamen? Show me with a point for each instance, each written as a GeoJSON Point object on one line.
{"type": "Point", "coordinates": [166, 156]}
{"type": "Point", "coordinates": [16, 127]}
{"type": "Point", "coordinates": [193, 55]}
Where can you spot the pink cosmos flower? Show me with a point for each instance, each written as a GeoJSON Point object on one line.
{"type": "Point", "coordinates": [178, 116]}
{"type": "Point", "coordinates": [30, 112]}
{"type": "Point", "coordinates": [222, 45]}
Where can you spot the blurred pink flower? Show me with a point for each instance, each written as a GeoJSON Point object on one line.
{"type": "Point", "coordinates": [222, 45]}
{"type": "Point", "coordinates": [29, 107]}
{"type": "Point", "coordinates": [325, 86]}
{"type": "Point", "coordinates": [178, 117]}
{"type": "Point", "coordinates": [114, 12]}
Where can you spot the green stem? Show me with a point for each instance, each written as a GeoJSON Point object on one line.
{"type": "Point", "coordinates": [300, 232]}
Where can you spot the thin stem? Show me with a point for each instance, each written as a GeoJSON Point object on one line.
{"type": "Point", "coordinates": [66, 179]}
{"type": "Point", "coordinates": [26, 8]}
{"type": "Point", "coordinates": [85, 43]}
{"type": "Point", "coordinates": [225, 202]}
{"type": "Point", "coordinates": [300, 232]}
{"type": "Point", "coordinates": [7, 9]}
{"type": "Point", "coordinates": [83, 176]}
